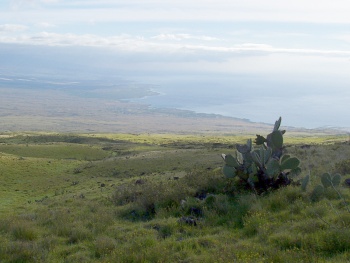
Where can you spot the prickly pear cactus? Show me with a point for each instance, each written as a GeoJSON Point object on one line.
{"type": "Point", "coordinates": [317, 193]}
{"type": "Point", "coordinates": [327, 180]}
{"type": "Point", "coordinates": [304, 183]}
{"type": "Point", "coordinates": [265, 167]}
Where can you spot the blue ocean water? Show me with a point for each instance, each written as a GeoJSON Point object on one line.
{"type": "Point", "coordinates": [301, 103]}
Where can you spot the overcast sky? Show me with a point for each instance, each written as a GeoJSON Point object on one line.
{"type": "Point", "coordinates": [251, 36]}
{"type": "Point", "coordinates": [299, 40]}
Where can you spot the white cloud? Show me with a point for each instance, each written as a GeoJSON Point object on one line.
{"type": "Point", "coordinates": [45, 25]}
{"type": "Point", "coordinates": [155, 44]}
{"type": "Point", "coordinates": [345, 38]}
{"type": "Point", "coordinates": [29, 3]}
{"type": "Point", "coordinates": [12, 28]}
{"type": "Point", "coordinates": [179, 37]}
{"type": "Point", "coordinates": [312, 11]}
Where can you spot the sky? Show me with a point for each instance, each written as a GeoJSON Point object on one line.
{"type": "Point", "coordinates": [295, 40]}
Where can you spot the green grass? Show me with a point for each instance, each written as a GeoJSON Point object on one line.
{"type": "Point", "coordinates": [185, 139]}
{"type": "Point", "coordinates": [56, 151]}
{"type": "Point", "coordinates": [129, 198]}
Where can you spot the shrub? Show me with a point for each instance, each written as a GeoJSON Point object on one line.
{"type": "Point", "coordinates": [146, 198]}
{"type": "Point", "coordinates": [104, 245]}
{"type": "Point", "coordinates": [77, 234]}
{"type": "Point", "coordinates": [22, 230]}
{"type": "Point", "coordinates": [329, 242]}
{"type": "Point", "coordinates": [204, 181]}
{"type": "Point", "coordinates": [20, 251]}
{"type": "Point", "coordinates": [343, 167]}
{"type": "Point", "coordinates": [286, 240]}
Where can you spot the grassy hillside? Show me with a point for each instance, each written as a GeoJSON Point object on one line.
{"type": "Point", "coordinates": [162, 198]}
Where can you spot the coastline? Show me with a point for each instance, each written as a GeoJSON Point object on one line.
{"type": "Point", "coordinates": [130, 106]}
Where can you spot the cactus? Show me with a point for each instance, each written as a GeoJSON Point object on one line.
{"type": "Point", "coordinates": [274, 140]}
{"type": "Point", "coordinates": [332, 181]}
{"type": "Point", "coordinates": [229, 171]}
{"type": "Point", "coordinates": [305, 182]}
{"type": "Point", "coordinates": [261, 156]}
{"type": "Point", "coordinates": [273, 168]}
{"type": "Point", "coordinates": [290, 163]}
{"type": "Point", "coordinates": [265, 167]}
{"type": "Point", "coordinates": [244, 148]}
{"type": "Point", "coordinates": [230, 160]}
{"type": "Point", "coordinates": [260, 140]}
{"type": "Point", "coordinates": [327, 180]}
{"type": "Point", "coordinates": [317, 193]}
{"type": "Point", "coordinates": [277, 124]}
{"type": "Point", "coordinates": [336, 180]}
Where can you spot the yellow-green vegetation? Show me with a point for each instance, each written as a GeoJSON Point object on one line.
{"type": "Point", "coordinates": [169, 139]}
{"type": "Point", "coordinates": [163, 198]}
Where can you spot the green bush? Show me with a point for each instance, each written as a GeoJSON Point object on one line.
{"type": "Point", "coordinates": [23, 232]}
{"type": "Point", "coordinates": [329, 242]}
{"type": "Point", "coordinates": [21, 251]}
{"type": "Point", "coordinates": [147, 197]}
{"type": "Point", "coordinates": [104, 245]}
{"type": "Point", "coordinates": [286, 240]}
{"type": "Point", "coordinates": [343, 167]}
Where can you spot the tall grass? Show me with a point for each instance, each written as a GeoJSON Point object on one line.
{"type": "Point", "coordinates": [147, 217]}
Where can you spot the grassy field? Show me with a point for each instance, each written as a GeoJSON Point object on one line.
{"type": "Point", "coordinates": [163, 198]}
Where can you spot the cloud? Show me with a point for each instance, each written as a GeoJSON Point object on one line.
{"type": "Point", "coordinates": [311, 11]}
{"type": "Point", "coordinates": [248, 32]}
{"type": "Point", "coordinates": [179, 37]}
{"type": "Point", "coordinates": [187, 36]}
{"type": "Point", "coordinates": [154, 45]}
{"type": "Point", "coordinates": [12, 28]}
{"type": "Point", "coordinates": [45, 25]}
{"type": "Point", "coordinates": [32, 3]}
{"type": "Point", "coordinates": [345, 38]}
{"type": "Point", "coordinates": [17, 4]}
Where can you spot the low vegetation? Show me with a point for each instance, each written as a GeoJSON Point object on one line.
{"type": "Point", "coordinates": [163, 198]}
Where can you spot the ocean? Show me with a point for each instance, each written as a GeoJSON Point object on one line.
{"type": "Point", "coordinates": [306, 103]}
{"type": "Point", "coordinates": [300, 101]}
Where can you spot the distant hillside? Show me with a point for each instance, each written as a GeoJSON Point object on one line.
{"type": "Point", "coordinates": [34, 103]}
